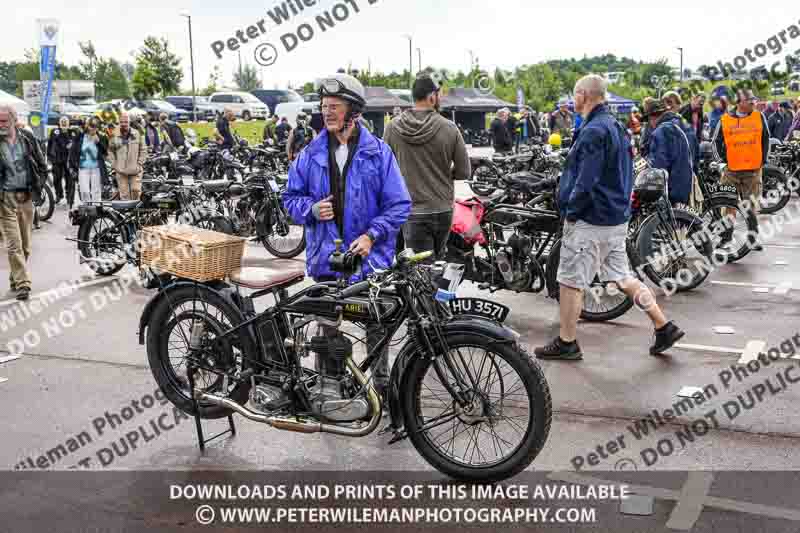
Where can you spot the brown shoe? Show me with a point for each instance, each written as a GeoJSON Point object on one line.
{"type": "Point", "coordinates": [23, 294]}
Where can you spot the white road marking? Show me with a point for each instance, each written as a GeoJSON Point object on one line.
{"type": "Point", "coordinates": [9, 358]}
{"type": "Point", "coordinates": [3, 380]}
{"type": "Point", "coordinates": [751, 351]}
{"type": "Point", "coordinates": [761, 290]}
{"type": "Point", "coordinates": [723, 330]}
{"type": "Point", "coordinates": [688, 392]}
{"type": "Point", "coordinates": [783, 289]}
{"type": "Point", "coordinates": [72, 288]}
{"type": "Point", "coordinates": [704, 348]}
{"type": "Point", "coordinates": [686, 513]}
{"type": "Point", "coordinates": [743, 284]}
{"type": "Point", "coordinates": [781, 263]}
{"type": "Point", "coordinates": [667, 494]}
{"type": "Point", "coordinates": [784, 246]}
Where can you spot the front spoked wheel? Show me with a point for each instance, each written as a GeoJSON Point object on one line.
{"type": "Point", "coordinates": [279, 234]}
{"type": "Point", "coordinates": [505, 423]}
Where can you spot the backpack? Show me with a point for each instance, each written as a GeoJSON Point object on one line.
{"type": "Point", "coordinates": [467, 216]}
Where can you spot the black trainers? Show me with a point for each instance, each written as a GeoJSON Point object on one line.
{"type": "Point", "coordinates": [23, 294]}
{"type": "Point", "coordinates": [558, 349]}
{"type": "Point", "coordinates": [666, 337]}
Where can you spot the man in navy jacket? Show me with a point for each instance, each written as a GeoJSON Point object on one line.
{"type": "Point", "coordinates": [594, 198]}
{"type": "Point", "coordinates": [671, 149]}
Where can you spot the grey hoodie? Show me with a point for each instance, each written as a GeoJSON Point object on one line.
{"type": "Point", "coordinates": [431, 153]}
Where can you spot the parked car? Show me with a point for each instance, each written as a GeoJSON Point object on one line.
{"type": "Point", "coordinates": [290, 110]}
{"type": "Point", "coordinates": [778, 88]}
{"type": "Point", "coordinates": [244, 105]}
{"type": "Point", "coordinates": [272, 97]}
{"type": "Point", "coordinates": [203, 109]}
{"type": "Point", "coordinates": [794, 85]}
{"type": "Point", "coordinates": [75, 114]}
{"type": "Point", "coordinates": [160, 106]}
{"type": "Point", "coordinates": [311, 97]}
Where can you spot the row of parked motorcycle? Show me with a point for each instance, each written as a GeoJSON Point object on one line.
{"type": "Point", "coordinates": [235, 191]}
{"type": "Point", "coordinates": [517, 244]}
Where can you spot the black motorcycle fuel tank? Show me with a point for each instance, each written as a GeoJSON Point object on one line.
{"type": "Point", "coordinates": [324, 300]}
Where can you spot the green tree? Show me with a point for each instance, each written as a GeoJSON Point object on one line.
{"type": "Point", "coordinates": [145, 83]}
{"type": "Point", "coordinates": [246, 78]}
{"type": "Point", "coordinates": [213, 82]}
{"type": "Point", "coordinates": [8, 76]}
{"type": "Point", "coordinates": [160, 64]}
{"type": "Point", "coordinates": [109, 78]}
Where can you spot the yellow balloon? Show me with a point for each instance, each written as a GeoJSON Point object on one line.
{"type": "Point", "coordinates": [36, 121]}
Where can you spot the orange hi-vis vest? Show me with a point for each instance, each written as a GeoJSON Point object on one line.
{"type": "Point", "coordinates": [743, 141]}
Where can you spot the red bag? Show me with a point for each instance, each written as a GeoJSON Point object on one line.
{"type": "Point", "coordinates": [467, 216]}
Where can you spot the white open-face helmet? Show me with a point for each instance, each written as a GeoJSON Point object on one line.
{"type": "Point", "coordinates": [345, 87]}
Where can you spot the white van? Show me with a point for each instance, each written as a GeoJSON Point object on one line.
{"type": "Point", "coordinates": [243, 105]}
{"type": "Point", "coordinates": [290, 110]}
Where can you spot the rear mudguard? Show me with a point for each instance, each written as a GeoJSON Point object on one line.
{"type": "Point", "coordinates": [220, 288]}
{"type": "Point", "coordinates": [493, 331]}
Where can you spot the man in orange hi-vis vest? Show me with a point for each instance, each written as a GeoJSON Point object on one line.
{"type": "Point", "coordinates": [741, 140]}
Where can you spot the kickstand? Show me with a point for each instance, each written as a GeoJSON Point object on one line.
{"type": "Point", "coordinates": [191, 370]}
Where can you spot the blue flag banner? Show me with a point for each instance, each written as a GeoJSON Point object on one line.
{"type": "Point", "coordinates": [47, 70]}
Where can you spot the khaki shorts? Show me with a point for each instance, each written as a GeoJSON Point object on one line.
{"type": "Point", "coordinates": [747, 182]}
{"type": "Point", "coordinates": [588, 251]}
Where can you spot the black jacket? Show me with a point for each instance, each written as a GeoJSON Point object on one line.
{"type": "Point", "coordinates": [224, 129]}
{"type": "Point", "coordinates": [175, 134]}
{"type": "Point", "coordinates": [102, 153]}
{"type": "Point", "coordinates": [282, 132]}
{"type": "Point", "coordinates": [37, 166]}
{"type": "Point", "coordinates": [686, 113]}
{"type": "Point", "coordinates": [533, 126]}
{"type": "Point", "coordinates": [779, 124]}
{"type": "Point", "coordinates": [501, 136]}
{"type": "Point", "coordinates": [59, 144]}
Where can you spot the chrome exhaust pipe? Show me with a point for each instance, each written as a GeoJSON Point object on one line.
{"type": "Point", "coordinates": [306, 425]}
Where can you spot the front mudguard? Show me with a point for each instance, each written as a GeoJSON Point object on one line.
{"type": "Point", "coordinates": [220, 288]}
{"type": "Point", "coordinates": [493, 331]}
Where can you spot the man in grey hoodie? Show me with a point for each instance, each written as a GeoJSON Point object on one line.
{"type": "Point", "coordinates": [431, 153]}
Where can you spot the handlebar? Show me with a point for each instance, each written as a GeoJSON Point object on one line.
{"type": "Point", "coordinates": [355, 289]}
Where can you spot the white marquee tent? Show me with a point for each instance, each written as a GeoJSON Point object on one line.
{"type": "Point", "coordinates": [22, 109]}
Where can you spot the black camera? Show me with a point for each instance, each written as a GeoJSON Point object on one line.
{"type": "Point", "coordinates": [344, 262]}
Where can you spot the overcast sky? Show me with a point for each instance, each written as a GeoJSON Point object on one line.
{"type": "Point", "coordinates": [503, 33]}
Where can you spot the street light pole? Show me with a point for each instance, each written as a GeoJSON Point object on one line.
{"type": "Point", "coordinates": [410, 63]}
{"type": "Point", "coordinates": [419, 53]}
{"type": "Point", "coordinates": [191, 61]}
{"type": "Point", "coordinates": [471, 61]}
{"type": "Point", "coordinates": [681, 50]}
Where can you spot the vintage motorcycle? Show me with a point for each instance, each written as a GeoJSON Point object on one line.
{"type": "Point", "coordinates": [463, 389]}
{"type": "Point", "coordinates": [517, 248]}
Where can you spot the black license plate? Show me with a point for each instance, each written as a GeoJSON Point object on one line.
{"type": "Point", "coordinates": [479, 307]}
{"type": "Point", "coordinates": [729, 189]}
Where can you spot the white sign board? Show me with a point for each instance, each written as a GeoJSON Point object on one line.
{"type": "Point", "coordinates": [48, 32]}
{"type": "Point", "coordinates": [32, 92]}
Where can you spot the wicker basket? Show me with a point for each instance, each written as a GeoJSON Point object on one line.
{"type": "Point", "coordinates": [190, 252]}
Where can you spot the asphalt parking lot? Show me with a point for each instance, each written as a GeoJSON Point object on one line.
{"type": "Point", "coordinates": [82, 396]}
{"type": "Point", "coordinates": [82, 358]}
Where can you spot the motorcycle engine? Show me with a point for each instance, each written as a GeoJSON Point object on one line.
{"type": "Point", "coordinates": [520, 271]}
{"type": "Point", "coordinates": [332, 395]}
